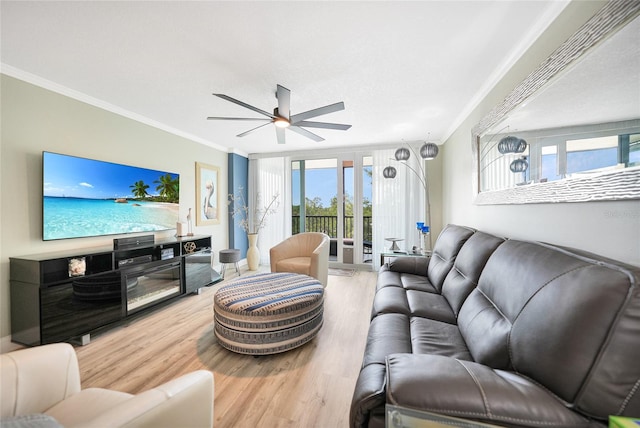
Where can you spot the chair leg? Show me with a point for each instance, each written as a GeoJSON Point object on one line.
{"type": "Point", "coordinates": [237, 269]}
{"type": "Point", "coordinates": [223, 269]}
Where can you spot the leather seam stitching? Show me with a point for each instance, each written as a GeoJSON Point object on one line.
{"type": "Point", "coordinates": [485, 401]}
{"type": "Point", "coordinates": [633, 391]}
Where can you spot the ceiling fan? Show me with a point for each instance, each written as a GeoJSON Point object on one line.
{"type": "Point", "coordinates": [283, 119]}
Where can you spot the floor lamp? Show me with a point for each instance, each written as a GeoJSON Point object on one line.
{"type": "Point", "coordinates": [428, 151]}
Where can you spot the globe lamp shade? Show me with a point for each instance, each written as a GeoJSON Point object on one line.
{"type": "Point", "coordinates": [429, 151]}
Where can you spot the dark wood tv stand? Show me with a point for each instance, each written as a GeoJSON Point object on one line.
{"type": "Point", "coordinates": [67, 296]}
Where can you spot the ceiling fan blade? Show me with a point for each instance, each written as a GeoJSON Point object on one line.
{"type": "Point", "coordinates": [245, 105]}
{"type": "Point", "coordinates": [306, 133]}
{"type": "Point", "coordinates": [284, 102]}
{"type": "Point", "coordinates": [238, 118]}
{"type": "Point", "coordinates": [317, 112]}
{"type": "Point", "coordinates": [280, 135]}
{"type": "Point", "coordinates": [325, 125]}
{"type": "Point", "coordinates": [253, 129]}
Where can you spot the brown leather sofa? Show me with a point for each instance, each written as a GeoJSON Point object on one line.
{"type": "Point", "coordinates": [506, 332]}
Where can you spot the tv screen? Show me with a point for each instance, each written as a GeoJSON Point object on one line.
{"type": "Point", "coordinates": [86, 197]}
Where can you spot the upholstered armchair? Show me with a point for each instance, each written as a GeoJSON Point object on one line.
{"type": "Point", "coordinates": [43, 383]}
{"type": "Point", "coordinates": [306, 253]}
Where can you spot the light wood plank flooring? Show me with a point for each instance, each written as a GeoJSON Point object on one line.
{"type": "Point", "coordinates": [310, 386]}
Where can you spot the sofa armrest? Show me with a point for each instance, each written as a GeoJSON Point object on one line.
{"type": "Point", "coordinates": [277, 253]}
{"type": "Point", "coordinates": [186, 401]}
{"type": "Point", "coordinates": [412, 265]}
{"type": "Point", "coordinates": [22, 373]}
{"type": "Point", "coordinates": [368, 395]}
{"type": "Point", "coordinates": [469, 390]}
{"type": "Point", "coordinates": [320, 262]}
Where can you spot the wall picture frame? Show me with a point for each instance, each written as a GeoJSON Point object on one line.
{"type": "Point", "coordinates": [207, 194]}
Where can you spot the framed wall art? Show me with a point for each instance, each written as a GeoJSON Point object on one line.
{"type": "Point", "coordinates": [207, 194]}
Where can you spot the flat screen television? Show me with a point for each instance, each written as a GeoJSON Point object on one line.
{"type": "Point", "coordinates": [85, 197]}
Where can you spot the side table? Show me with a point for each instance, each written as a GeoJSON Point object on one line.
{"type": "Point", "coordinates": [386, 253]}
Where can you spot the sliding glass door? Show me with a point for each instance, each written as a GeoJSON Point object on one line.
{"type": "Point", "coordinates": [333, 195]}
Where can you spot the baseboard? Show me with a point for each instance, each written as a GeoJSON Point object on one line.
{"type": "Point", "coordinates": [6, 345]}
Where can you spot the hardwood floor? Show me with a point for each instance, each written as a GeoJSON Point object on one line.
{"type": "Point", "coordinates": [310, 386]}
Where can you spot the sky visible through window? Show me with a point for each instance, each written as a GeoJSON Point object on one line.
{"type": "Point", "coordinates": [323, 183]}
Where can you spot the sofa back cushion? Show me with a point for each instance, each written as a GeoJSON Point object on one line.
{"type": "Point", "coordinates": [444, 253]}
{"type": "Point", "coordinates": [467, 267]}
{"type": "Point", "coordinates": [566, 320]}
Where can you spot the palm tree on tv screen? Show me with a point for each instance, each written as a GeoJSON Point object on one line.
{"type": "Point", "coordinates": [168, 187]}
{"type": "Point", "coordinates": [140, 189]}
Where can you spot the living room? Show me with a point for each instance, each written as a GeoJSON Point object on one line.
{"type": "Point", "coordinates": [40, 114]}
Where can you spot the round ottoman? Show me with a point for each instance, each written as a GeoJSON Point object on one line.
{"type": "Point", "coordinates": [268, 313]}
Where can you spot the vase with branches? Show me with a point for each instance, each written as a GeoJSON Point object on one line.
{"type": "Point", "coordinates": [240, 211]}
{"type": "Point", "coordinates": [251, 224]}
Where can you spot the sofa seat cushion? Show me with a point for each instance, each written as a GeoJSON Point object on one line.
{"type": "Point", "coordinates": [397, 300]}
{"type": "Point", "coordinates": [300, 265]}
{"type": "Point", "coordinates": [403, 280]}
{"type": "Point", "coordinates": [429, 305]}
{"type": "Point", "coordinates": [390, 300]}
{"type": "Point", "coordinates": [437, 338]}
{"type": "Point", "coordinates": [81, 408]}
{"type": "Point", "coordinates": [473, 391]}
{"type": "Point", "coordinates": [388, 333]}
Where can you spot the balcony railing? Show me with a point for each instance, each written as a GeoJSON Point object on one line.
{"type": "Point", "coordinates": [329, 225]}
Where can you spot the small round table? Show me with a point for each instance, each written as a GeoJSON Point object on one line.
{"type": "Point", "coordinates": [268, 313]}
{"type": "Point", "coordinates": [229, 256]}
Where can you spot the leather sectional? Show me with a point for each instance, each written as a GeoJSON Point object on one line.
{"type": "Point", "coordinates": [505, 332]}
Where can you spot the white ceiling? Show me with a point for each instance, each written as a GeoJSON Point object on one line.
{"type": "Point", "coordinates": [405, 70]}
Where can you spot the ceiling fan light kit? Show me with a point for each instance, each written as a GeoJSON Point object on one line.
{"type": "Point", "coordinates": [283, 119]}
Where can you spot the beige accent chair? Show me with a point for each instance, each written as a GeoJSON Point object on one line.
{"type": "Point", "coordinates": [46, 380]}
{"type": "Point", "coordinates": [306, 253]}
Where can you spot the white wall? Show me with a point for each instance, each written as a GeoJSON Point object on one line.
{"type": "Point", "coordinates": [35, 119]}
{"type": "Point", "coordinates": [611, 229]}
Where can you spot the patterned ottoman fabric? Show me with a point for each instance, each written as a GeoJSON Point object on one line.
{"type": "Point", "coordinates": [268, 313]}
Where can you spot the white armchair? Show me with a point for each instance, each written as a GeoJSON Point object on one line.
{"type": "Point", "coordinates": [306, 253]}
{"type": "Point", "coordinates": [46, 380]}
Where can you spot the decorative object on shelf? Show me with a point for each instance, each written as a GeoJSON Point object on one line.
{"type": "Point", "coordinates": [189, 224]}
{"type": "Point", "coordinates": [512, 144]}
{"type": "Point", "coordinates": [425, 234]}
{"type": "Point", "coordinates": [428, 151]}
{"type": "Point", "coordinates": [394, 243]}
{"type": "Point", "coordinates": [419, 226]}
{"type": "Point", "coordinates": [519, 165]}
{"type": "Point", "coordinates": [207, 194]}
{"type": "Point", "coordinates": [189, 247]}
{"type": "Point", "coordinates": [180, 229]}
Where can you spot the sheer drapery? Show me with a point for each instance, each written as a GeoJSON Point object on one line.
{"type": "Point", "coordinates": [269, 177]}
{"type": "Point", "coordinates": [398, 203]}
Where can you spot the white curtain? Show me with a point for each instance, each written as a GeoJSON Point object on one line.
{"type": "Point", "coordinates": [271, 177]}
{"type": "Point", "coordinates": [398, 203]}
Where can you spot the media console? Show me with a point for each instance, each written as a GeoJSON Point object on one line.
{"type": "Point", "coordinates": [66, 296]}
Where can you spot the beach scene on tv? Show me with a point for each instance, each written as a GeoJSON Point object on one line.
{"type": "Point", "coordinates": [85, 197]}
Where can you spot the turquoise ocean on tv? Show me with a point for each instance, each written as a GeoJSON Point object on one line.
{"type": "Point", "coordinates": [66, 217]}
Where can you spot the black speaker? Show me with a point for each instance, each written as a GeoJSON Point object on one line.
{"type": "Point", "coordinates": [137, 241]}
